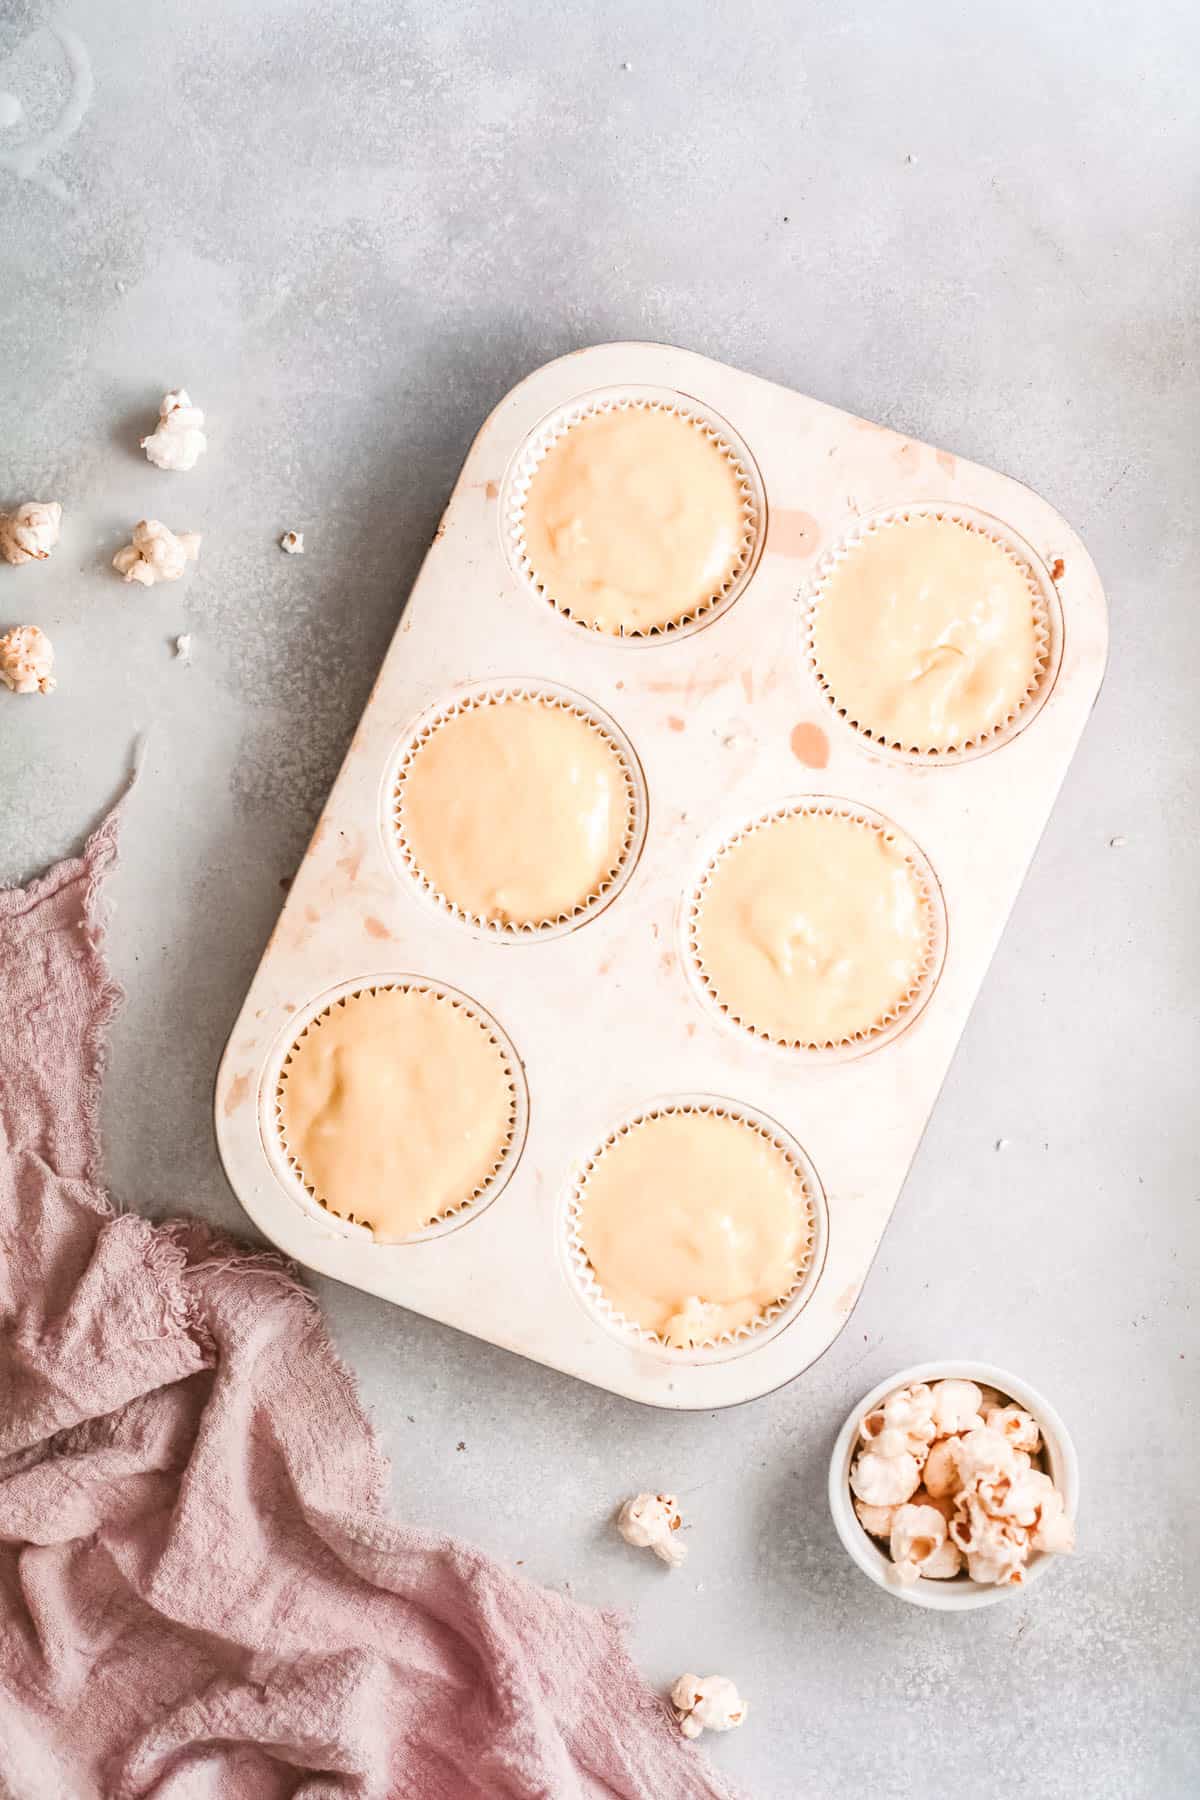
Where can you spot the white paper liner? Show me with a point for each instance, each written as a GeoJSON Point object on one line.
{"type": "Point", "coordinates": [719, 433]}
{"type": "Point", "coordinates": [1047, 630]}
{"type": "Point", "coordinates": [497, 694]}
{"type": "Point", "coordinates": [774, 1318]}
{"type": "Point", "coordinates": [287, 1167]}
{"type": "Point", "coordinates": [906, 1007]}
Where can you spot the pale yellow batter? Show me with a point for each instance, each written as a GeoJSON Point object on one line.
{"type": "Point", "coordinates": [812, 929]}
{"type": "Point", "coordinates": [634, 520]}
{"type": "Point", "coordinates": [516, 811]}
{"type": "Point", "coordinates": [694, 1223]}
{"type": "Point", "coordinates": [396, 1106]}
{"type": "Point", "coordinates": [926, 634]}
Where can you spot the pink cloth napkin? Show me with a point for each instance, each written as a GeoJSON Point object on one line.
{"type": "Point", "coordinates": [201, 1597]}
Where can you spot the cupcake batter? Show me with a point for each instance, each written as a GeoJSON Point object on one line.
{"type": "Point", "coordinates": [634, 520]}
{"type": "Point", "coordinates": [926, 633]}
{"type": "Point", "coordinates": [516, 811]}
{"type": "Point", "coordinates": [694, 1223]}
{"type": "Point", "coordinates": [812, 929]}
{"type": "Point", "coordinates": [396, 1106]}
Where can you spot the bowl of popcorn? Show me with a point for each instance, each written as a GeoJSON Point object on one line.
{"type": "Point", "coordinates": [954, 1485]}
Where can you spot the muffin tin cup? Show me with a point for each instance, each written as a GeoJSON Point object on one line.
{"type": "Point", "coordinates": [960, 1594]}
{"type": "Point", "coordinates": [603, 1014]}
{"type": "Point", "coordinates": [498, 692]}
{"type": "Point", "coordinates": [719, 432]}
{"type": "Point", "coordinates": [1048, 632]}
{"type": "Point", "coordinates": [286, 1167]}
{"type": "Point", "coordinates": [774, 1318]}
{"type": "Point", "coordinates": [899, 1017]}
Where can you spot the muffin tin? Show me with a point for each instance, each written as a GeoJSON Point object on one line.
{"type": "Point", "coordinates": [721, 722]}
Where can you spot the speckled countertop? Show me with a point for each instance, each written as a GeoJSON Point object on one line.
{"type": "Point", "coordinates": [348, 229]}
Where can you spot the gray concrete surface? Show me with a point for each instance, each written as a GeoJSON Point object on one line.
{"type": "Point", "coordinates": [348, 228]}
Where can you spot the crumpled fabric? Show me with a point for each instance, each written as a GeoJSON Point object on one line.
{"type": "Point", "coordinates": [201, 1595]}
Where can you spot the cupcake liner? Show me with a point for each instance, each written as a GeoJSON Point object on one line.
{"type": "Point", "coordinates": [1047, 631]}
{"type": "Point", "coordinates": [497, 694]}
{"type": "Point", "coordinates": [905, 1009]}
{"type": "Point", "coordinates": [715, 428]}
{"type": "Point", "coordinates": [774, 1318]}
{"type": "Point", "coordinates": [287, 1167]}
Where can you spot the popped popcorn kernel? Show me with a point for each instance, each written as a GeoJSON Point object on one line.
{"type": "Point", "coordinates": [30, 532]}
{"type": "Point", "coordinates": [707, 1703]}
{"type": "Point", "coordinates": [178, 440]}
{"type": "Point", "coordinates": [27, 661]}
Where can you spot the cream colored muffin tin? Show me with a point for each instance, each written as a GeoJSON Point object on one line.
{"type": "Point", "coordinates": [608, 1020]}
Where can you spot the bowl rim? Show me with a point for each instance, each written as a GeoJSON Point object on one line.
{"type": "Point", "coordinates": [948, 1596]}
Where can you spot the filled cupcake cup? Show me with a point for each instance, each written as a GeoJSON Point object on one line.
{"type": "Point", "coordinates": [517, 808]}
{"type": "Point", "coordinates": [935, 633]}
{"type": "Point", "coordinates": [673, 1202]}
{"type": "Point", "coordinates": [393, 1109]}
{"type": "Point", "coordinates": [636, 513]}
{"type": "Point", "coordinates": [816, 884]}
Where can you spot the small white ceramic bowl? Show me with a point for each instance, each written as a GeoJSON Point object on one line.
{"type": "Point", "coordinates": [960, 1594]}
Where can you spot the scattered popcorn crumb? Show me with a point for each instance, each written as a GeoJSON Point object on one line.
{"type": "Point", "coordinates": [627, 66]}
{"type": "Point", "coordinates": [156, 553]}
{"type": "Point", "coordinates": [912, 159]}
{"type": "Point", "coordinates": [30, 533]}
{"type": "Point", "coordinates": [292, 542]}
{"type": "Point", "coordinates": [1117, 843]}
{"type": "Point", "coordinates": [178, 440]}
{"type": "Point", "coordinates": [652, 1522]}
{"type": "Point", "coordinates": [1003, 1143]}
{"type": "Point", "coordinates": [27, 661]}
{"type": "Point", "coordinates": [183, 647]}
{"type": "Point", "coordinates": [707, 1703]}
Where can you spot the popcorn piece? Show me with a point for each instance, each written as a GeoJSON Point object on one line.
{"type": "Point", "coordinates": [983, 1455]}
{"type": "Point", "coordinates": [30, 533]}
{"type": "Point", "coordinates": [940, 1473]}
{"type": "Point", "coordinates": [945, 1503]}
{"type": "Point", "coordinates": [156, 554]}
{"type": "Point", "coordinates": [1054, 1532]}
{"type": "Point", "coordinates": [885, 1480]}
{"type": "Point", "coordinates": [178, 440]}
{"type": "Point", "coordinates": [1020, 1428]}
{"type": "Point", "coordinates": [996, 1549]}
{"type": "Point", "coordinates": [183, 647]}
{"type": "Point", "coordinates": [707, 1703]}
{"type": "Point", "coordinates": [908, 1413]}
{"type": "Point", "coordinates": [944, 1564]}
{"type": "Point", "coordinates": [1004, 1567]}
{"type": "Point", "coordinates": [292, 542]}
{"type": "Point", "coordinates": [918, 1533]}
{"type": "Point", "coordinates": [1018, 1496]}
{"type": "Point", "coordinates": [955, 1406]}
{"type": "Point", "coordinates": [27, 661]}
{"type": "Point", "coordinates": [877, 1520]}
{"type": "Point", "coordinates": [651, 1522]}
